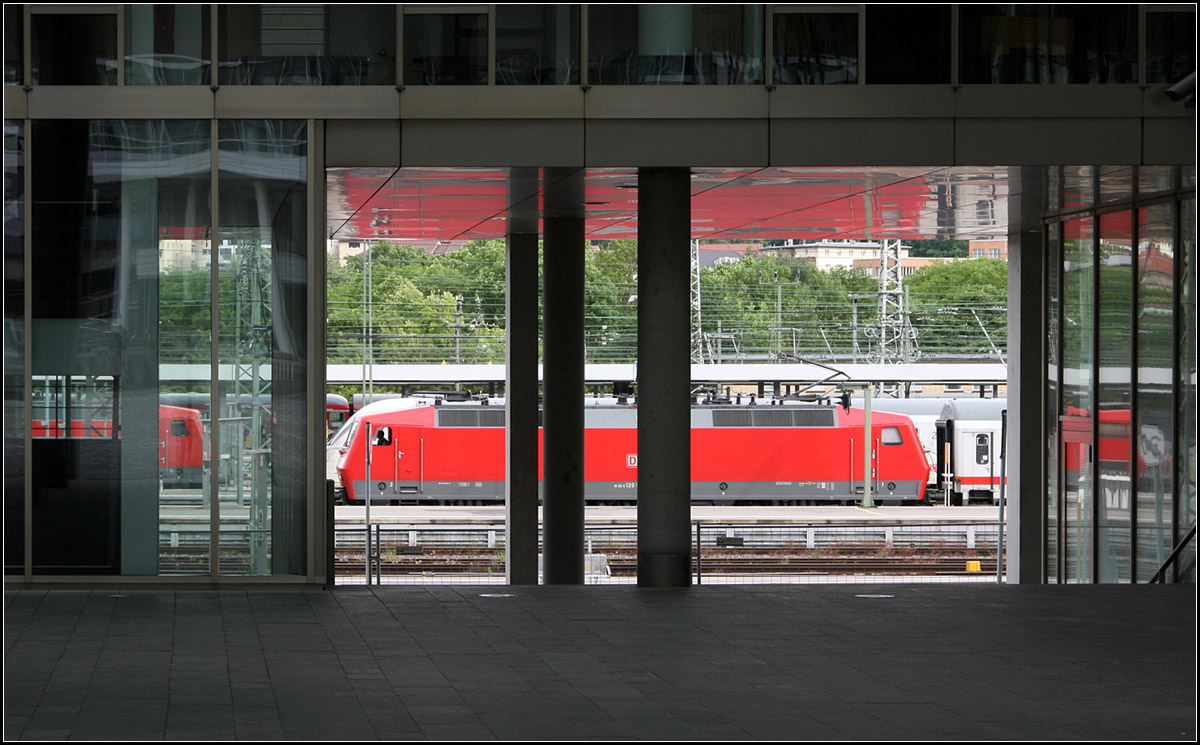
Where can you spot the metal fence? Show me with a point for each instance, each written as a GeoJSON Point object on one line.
{"type": "Point", "coordinates": [721, 553]}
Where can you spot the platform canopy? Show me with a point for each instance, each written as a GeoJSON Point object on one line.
{"type": "Point", "coordinates": [460, 204]}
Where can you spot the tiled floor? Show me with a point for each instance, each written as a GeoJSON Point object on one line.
{"type": "Point", "coordinates": [769, 662]}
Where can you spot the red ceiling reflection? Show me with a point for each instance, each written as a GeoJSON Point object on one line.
{"type": "Point", "coordinates": [456, 204]}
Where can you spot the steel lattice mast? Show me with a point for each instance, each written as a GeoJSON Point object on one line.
{"type": "Point", "coordinates": [250, 391]}
{"type": "Point", "coordinates": [697, 329]}
{"type": "Point", "coordinates": [894, 332]}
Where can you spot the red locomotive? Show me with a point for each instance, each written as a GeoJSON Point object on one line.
{"type": "Point", "coordinates": [180, 447]}
{"type": "Point", "coordinates": [180, 441]}
{"type": "Point", "coordinates": [792, 451]}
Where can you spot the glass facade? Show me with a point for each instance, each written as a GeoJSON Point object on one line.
{"type": "Point", "coordinates": [1048, 43]}
{"type": "Point", "coordinates": [816, 48]}
{"type": "Point", "coordinates": [537, 45]}
{"type": "Point", "coordinates": [14, 347]}
{"type": "Point", "coordinates": [1121, 360]}
{"type": "Point", "coordinates": [168, 45]}
{"type": "Point", "coordinates": [74, 49]}
{"type": "Point", "coordinates": [142, 296]}
{"type": "Point", "coordinates": [445, 49]}
{"type": "Point", "coordinates": [261, 270]}
{"type": "Point", "coordinates": [1155, 316]}
{"type": "Point", "coordinates": [1170, 46]}
{"type": "Point", "coordinates": [893, 58]}
{"type": "Point", "coordinates": [307, 44]}
{"type": "Point", "coordinates": [675, 44]}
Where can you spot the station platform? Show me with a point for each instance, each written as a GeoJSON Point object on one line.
{"type": "Point", "coordinates": [995, 662]}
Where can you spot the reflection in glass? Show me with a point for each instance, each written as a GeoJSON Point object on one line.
{"type": "Point", "coordinates": [1114, 396]}
{"type": "Point", "coordinates": [307, 44]}
{"type": "Point", "coordinates": [1053, 302]}
{"type": "Point", "coordinates": [1116, 183]}
{"type": "Point", "coordinates": [1185, 458]}
{"type": "Point", "coordinates": [167, 45]}
{"type": "Point", "coordinates": [1053, 188]}
{"type": "Point", "coordinates": [73, 49]}
{"type": "Point", "coordinates": [14, 346]}
{"type": "Point", "coordinates": [101, 307]}
{"type": "Point", "coordinates": [262, 343]}
{"type": "Point", "coordinates": [445, 49]}
{"type": "Point", "coordinates": [675, 44]}
{"type": "Point", "coordinates": [1170, 46]}
{"type": "Point", "coordinates": [1156, 355]}
{"type": "Point", "coordinates": [1048, 43]}
{"type": "Point", "coordinates": [14, 43]}
{"type": "Point", "coordinates": [1077, 397]}
{"type": "Point", "coordinates": [1078, 187]}
{"type": "Point", "coordinates": [537, 44]}
{"type": "Point", "coordinates": [816, 48]}
{"type": "Point", "coordinates": [1155, 179]}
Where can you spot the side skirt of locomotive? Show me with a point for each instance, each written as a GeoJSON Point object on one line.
{"type": "Point", "coordinates": [626, 491]}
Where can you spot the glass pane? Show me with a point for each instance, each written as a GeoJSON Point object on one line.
{"type": "Point", "coordinates": [1114, 395]}
{"type": "Point", "coordinates": [1155, 179]}
{"type": "Point", "coordinates": [1116, 183]}
{"type": "Point", "coordinates": [1077, 396]}
{"type": "Point", "coordinates": [74, 49]}
{"type": "Point", "coordinates": [1186, 450]}
{"type": "Point", "coordinates": [14, 43]}
{"type": "Point", "coordinates": [675, 44]}
{"type": "Point", "coordinates": [307, 44]}
{"type": "Point", "coordinates": [97, 328]}
{"type": "Point", "coordinates": [14, 347]}
{"type": "Point", "coordinates": [1048, 43]}
{"type": "Point", "coordinates": [1053, 189]}
{"type": "Point", "coordinates": [1053, 306]}
{"type": "Point", "coordinates": [262, 342]}
{"type": "Point", "coordinates": [892, 57]}
{"type": "Point", "coordinates": [537, 44]}
{"type": "Point", "coordinates": [1170, 46]}
{"type": "Point", "coordinates": [1156, 355]}
{"type": "Point", "coordinates": [816, 48]}
{"type": "Point", "coordinates": [167, 45]}
{"type": "Point", "coordinates": [1078, 187]}
{"type": "Point", "coordinates": [445, 49]}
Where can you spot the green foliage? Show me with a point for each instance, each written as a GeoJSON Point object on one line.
{"type": "Point", "coordinates": [446, 308]}
{"type": "Point", "coordinates": [937, 247]}
{"type": "Point", "coordinates": [953, 303]}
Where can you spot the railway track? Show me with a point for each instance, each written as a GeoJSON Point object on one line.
{"type": "Point", "coordinates": [623, 563]}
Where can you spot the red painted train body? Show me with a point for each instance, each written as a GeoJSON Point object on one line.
{"type": "Point", "coordinates": [783, 453]}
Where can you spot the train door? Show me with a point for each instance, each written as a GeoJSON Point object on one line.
{"type": "Point", "coordinates": [945, 460]}
{"type": "Point", "coordinates": [855, 460]}
{"type": "Point", "coordinates": [976, 469]}
{"type": "Point", "coordinates": [395, 461]}
{"type": "Point", "coordinates": [407, 451]}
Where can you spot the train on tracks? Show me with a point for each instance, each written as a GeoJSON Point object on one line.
{"type": "Point", "coordinates": [762, 451]}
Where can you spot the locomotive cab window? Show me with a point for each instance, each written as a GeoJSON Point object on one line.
{"type": "Point", "coordinates": [982, 450]}
{"type": "Point", "coordinates": [179, 428]}
{"type": "Point", "coordinates": [891, 436]}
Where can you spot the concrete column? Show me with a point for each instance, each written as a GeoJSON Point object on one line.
{"type": "Point", "coordinates": [664, 378]}
{"type": "Point", "coordinates": [521, 378]}
{"type": "Point", "coordinates": [1026, 491]}
{"type": "Point", "coordinates": [563, 382]}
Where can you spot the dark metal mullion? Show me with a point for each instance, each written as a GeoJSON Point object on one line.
{"type": "Point", "coordinates": [1177, 371]}
{"type": "Point", "coordinates": [1134, 409]}
{"type": "Point", "coordinates": [1060, 522]}
{"type": "Point", "coordinates": [1094, 408]}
